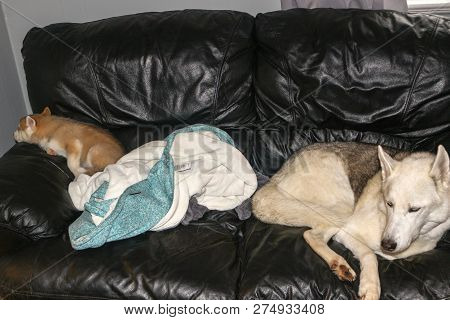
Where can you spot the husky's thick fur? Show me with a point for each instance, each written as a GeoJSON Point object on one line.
{"type": "Point", "coordinates": [371, 200]}
{"type": "Point", "coordinates": [88, 149]}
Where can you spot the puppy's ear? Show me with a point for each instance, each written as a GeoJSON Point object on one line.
{"type": "Point", "coordinates": [440, 170]}
{"type": "Point", "coordinates": [46, 112]}
{"type": "Point", "coordinates": [31, 123]}
{"type": "Point", "coordinates": [387, 163]}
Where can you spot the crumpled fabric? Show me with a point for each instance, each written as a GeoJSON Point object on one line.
{"type": "Point", "coordinates": [215, 172]}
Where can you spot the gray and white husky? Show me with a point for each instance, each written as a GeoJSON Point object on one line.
{"type": "Point", "coordinates": [396, 204]}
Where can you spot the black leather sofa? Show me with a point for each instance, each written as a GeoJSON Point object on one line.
{"type": "Point", "coordinates": [276, 83]}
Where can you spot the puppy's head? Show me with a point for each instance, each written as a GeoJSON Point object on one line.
{"type": "Point", "coordinates": [416, 196]}
{"type": "Point", "coordinates": [29, 125]}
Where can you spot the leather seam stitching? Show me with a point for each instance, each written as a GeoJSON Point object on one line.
{"type": "Point", "coordinates": [283, 70]}
{"type": "Point", "coordinates": [417, 73]}
{"type": "Point", "coordinates": [58, 167]}
{"type": "Point", "coordinates": [238, 54]}
{"type": "Point", "coordinates": [270, 61]}
{"type": "Point", "coordinates": [100, 97]}
{"type": "Point", "coordinates": [290, 86]}
{"type": "Point", "coordinates": [219, 77]}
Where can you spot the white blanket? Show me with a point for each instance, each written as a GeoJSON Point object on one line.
{"type": "Point", "coordinates": [213, 171]}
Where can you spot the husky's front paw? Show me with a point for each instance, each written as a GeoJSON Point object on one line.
{"type": "Point", "coordinates": [341, 268]}
{"type": "Point", "coordinates": [369, 290]}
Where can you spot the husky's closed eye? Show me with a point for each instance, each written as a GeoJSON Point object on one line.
{"type": "Point", "coordinates": [418, 176]}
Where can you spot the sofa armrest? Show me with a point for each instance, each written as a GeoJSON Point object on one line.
{"type": "Point", "coordinates": [34, 201]}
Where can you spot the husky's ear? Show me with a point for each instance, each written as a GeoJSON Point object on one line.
{"type": "Point", "coordinates": [46, 112]}
{"type": "Point", "coordinates": [31, 123]}
{"type": "Point", "coordinates": [387, 163]}
{"type": "Point", "coordinates": [441, 167]}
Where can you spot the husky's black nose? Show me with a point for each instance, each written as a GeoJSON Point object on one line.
{"type": "Point", "coordinates": [388, 245]}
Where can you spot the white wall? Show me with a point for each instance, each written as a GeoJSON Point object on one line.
{"type": "Point", "coordinates": [12, 105]}
{"type": "Point", "coordinates": [22, 15]}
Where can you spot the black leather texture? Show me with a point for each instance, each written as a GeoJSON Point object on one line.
{"type": "Point", "coordinates": [181, 67]}
{"type": "Point", "coordinates": [198, 261]}
{"type": "Point", "coordinates": [33, 192]}
{"type": "Point", "coordinates": [351, 75]}
{"type": "Point", "coordinates": [279, 264]}
{"type": "Point", "coordinates": [275, 83]}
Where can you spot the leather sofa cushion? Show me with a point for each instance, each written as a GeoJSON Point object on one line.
{"type": "Point", "coordinates": [34, 201]}
{"type": "Point", "coordinates": [326, 75]}
{"type": "Point", "coordinates": [274, 145]}
{"type": "Point", "coordinates": [168, 68]}
{"type": "Point", "coordinates": [379, 71]}
{"type": "Point", "coordinates": [278, 264]}
{"type": "Point", "coordinates": [11, 241]}
{"type": "Point", "coordinates": [198, 261]}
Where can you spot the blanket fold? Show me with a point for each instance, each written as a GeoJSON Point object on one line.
{"type": "Point", "coordinates": [150, 188]}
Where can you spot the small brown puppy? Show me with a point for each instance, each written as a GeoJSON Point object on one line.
{"type": "Point", "coordinates": [88, 149]}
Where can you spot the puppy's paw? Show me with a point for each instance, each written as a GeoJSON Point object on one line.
{"type": "Point", "coordinates": [343, 271]}
{"type": "Point", "coordinates": [369, 290]}
{"type": "Point", "coordinates": [51, 152]}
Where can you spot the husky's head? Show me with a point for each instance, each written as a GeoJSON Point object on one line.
{"type": "Point", "coordinates": [416, 196]}
{"type": "Point", "coordinates": [29, 125]}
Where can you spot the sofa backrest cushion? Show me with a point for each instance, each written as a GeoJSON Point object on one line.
{"type": "Point", "coordinates": [179, 67]}
{"type": "Point", "coordinates": [354, 75]}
